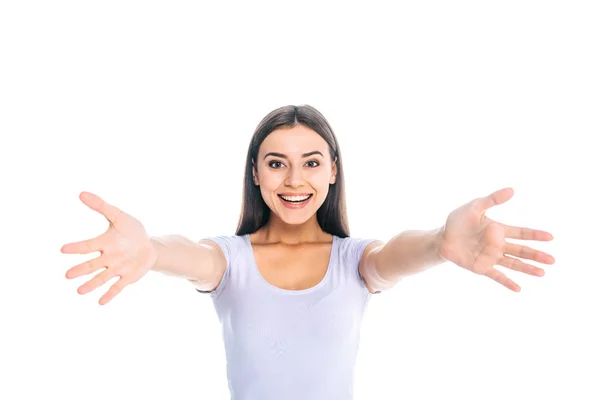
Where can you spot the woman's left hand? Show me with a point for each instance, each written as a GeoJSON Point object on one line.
{"type": "Point", "coordinates": [475, 242]}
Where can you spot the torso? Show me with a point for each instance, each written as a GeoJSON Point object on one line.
{"type": "Point", "coordinates": [292, 267]}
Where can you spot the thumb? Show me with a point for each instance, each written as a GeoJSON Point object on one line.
{"type": "Point", "coordinates": [97, 204]}
{"type": "Point", "coordinates": [496, 198]}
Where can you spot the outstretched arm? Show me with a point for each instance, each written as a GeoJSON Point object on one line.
{"type": "Point", "coordinates": [468, 239]}
{"type": "Point", "coordinates": [128, 252]}
{"type": "Point", "coordinates": [201, 263]}
{"type": "Point", "coordinates": [407, 253]}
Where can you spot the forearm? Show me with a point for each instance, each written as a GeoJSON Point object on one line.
{"type": "Point", "coordinates": [181, 257]}
{"type": "Point", "coordinates": [408, 253]}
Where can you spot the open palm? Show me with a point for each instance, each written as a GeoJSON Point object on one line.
{"type": "Point", "coordinates": [477, 243]}
{"type": "Point", "coordinates": [126, 250]}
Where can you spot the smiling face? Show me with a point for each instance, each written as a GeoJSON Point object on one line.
{"type": "Point", "coordinates": [294, 170]}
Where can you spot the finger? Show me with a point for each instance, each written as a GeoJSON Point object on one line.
{"type": "Point", "coordinates": [83, 247]}
{"type": "Point", "coordinates": [97, 281]}
{"type": "Point", "coordinates": [502, 279]}
{"type": "Point", "coordinates": [87, 267]}
{"type": "Point", "coordinates": [528, 253]}
{"type": "Point", "coordinates": [514, 232]}
{"type": "Point", "coordinates": [518, 265]}
{"type": "Point", "coordinates": [97, 204]}
{"type": "Point", "coordinates": [494, 199]}
{"type": "Point", "coordinates": [113, 291]}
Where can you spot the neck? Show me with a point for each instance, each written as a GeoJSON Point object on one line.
{"type": "Point", "coordinates": [277, 231]}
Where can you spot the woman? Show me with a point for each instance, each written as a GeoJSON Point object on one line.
{"type": "Point", "coordinates": [290, 287]}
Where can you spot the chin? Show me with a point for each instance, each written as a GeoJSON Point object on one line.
{"type": "Point", "coordinates": [291, 217]}
{"type": "Point", "coordinates": [296, 221]}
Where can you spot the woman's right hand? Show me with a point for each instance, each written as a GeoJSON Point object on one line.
{"type": "Point", "coordinates": [125, 250]}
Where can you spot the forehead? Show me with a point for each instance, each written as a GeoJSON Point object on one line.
{"type": "Point", "coordinates": [293, 141]}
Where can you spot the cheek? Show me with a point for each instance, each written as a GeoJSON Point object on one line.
{"type": "Point", "coordinates": [270, 183]}
{"type": "Point", "coordinates": [271, 179]}
{"type": "Point", "coordinates": [320, 180]}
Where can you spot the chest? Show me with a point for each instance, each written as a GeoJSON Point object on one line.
{"type": "Point", "coordinates": [293, 268]}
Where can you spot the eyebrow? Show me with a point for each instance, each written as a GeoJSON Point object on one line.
{"type": "Point", "coordinates": [310, 153]}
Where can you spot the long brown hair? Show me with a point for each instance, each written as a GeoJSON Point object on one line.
{"type": "Point", "coordinates": [331, 215]}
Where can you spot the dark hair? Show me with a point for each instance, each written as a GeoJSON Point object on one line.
{"type": "Point", "coordinates": [255, 213]}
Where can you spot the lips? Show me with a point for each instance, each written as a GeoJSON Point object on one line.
{"type": "Point", "coordinates": [295, 198]}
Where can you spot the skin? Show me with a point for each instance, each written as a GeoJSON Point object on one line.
{"type": "Point", "coordinates": [468, 238]}
{"type": "Point", "coordinates": [293, 174]}
{"type": "Point", "coordinates": [292, 239]}
{"type": "Point", "coordinates": [127, 251]}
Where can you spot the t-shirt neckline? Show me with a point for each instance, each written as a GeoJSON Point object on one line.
{"type": "Point", "coordinates": [291, 291]}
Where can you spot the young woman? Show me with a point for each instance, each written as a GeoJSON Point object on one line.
{"type": "Point", "coordinates": [290, 287]}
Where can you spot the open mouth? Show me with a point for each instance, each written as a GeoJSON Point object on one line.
{"type": "Point", "coordinates": [295, 199]}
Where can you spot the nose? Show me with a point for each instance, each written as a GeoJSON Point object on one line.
{"type": "Point", "coordinates": [294, 177]}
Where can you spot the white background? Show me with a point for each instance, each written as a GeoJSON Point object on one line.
{"type": "Point", "coordinates": [151, 105]}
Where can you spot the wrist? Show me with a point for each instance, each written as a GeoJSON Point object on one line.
{"type": "Point", "coordinates": [439, 243]}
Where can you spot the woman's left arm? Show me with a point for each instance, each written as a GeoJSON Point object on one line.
{"type": "Point", "coordinates": [468, 239]}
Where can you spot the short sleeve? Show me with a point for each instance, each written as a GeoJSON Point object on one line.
{"type": "Point", "coordinates": [354, 249]}
{"type": "Point", "coordinates": [229, 246]}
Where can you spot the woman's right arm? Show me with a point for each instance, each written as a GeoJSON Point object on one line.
{"type": "Point", "coordinates": [202, 263]}
{"type": "Point", "coordinates": [127, 252]}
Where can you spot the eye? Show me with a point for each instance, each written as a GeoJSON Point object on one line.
{"type": "Point", "coordinates": [313, 161]}
{"type": "Point", "coordinates": [274, 162]}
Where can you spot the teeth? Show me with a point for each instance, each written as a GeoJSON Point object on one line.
{"type": "Point", "coordinates": [295, 198]}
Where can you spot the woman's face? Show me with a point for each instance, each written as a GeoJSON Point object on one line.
{"type": "Point", "coordinates": [293, 164]}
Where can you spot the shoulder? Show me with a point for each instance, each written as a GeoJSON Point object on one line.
{"type": "Point", "coordinates": [225, 251]}
{"type": "Point", "coordinates": [357, 247]}
{"type": "Point", "coordinates": [358, 254]}
{"type": "Point", "coordinates": [229, 245]}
